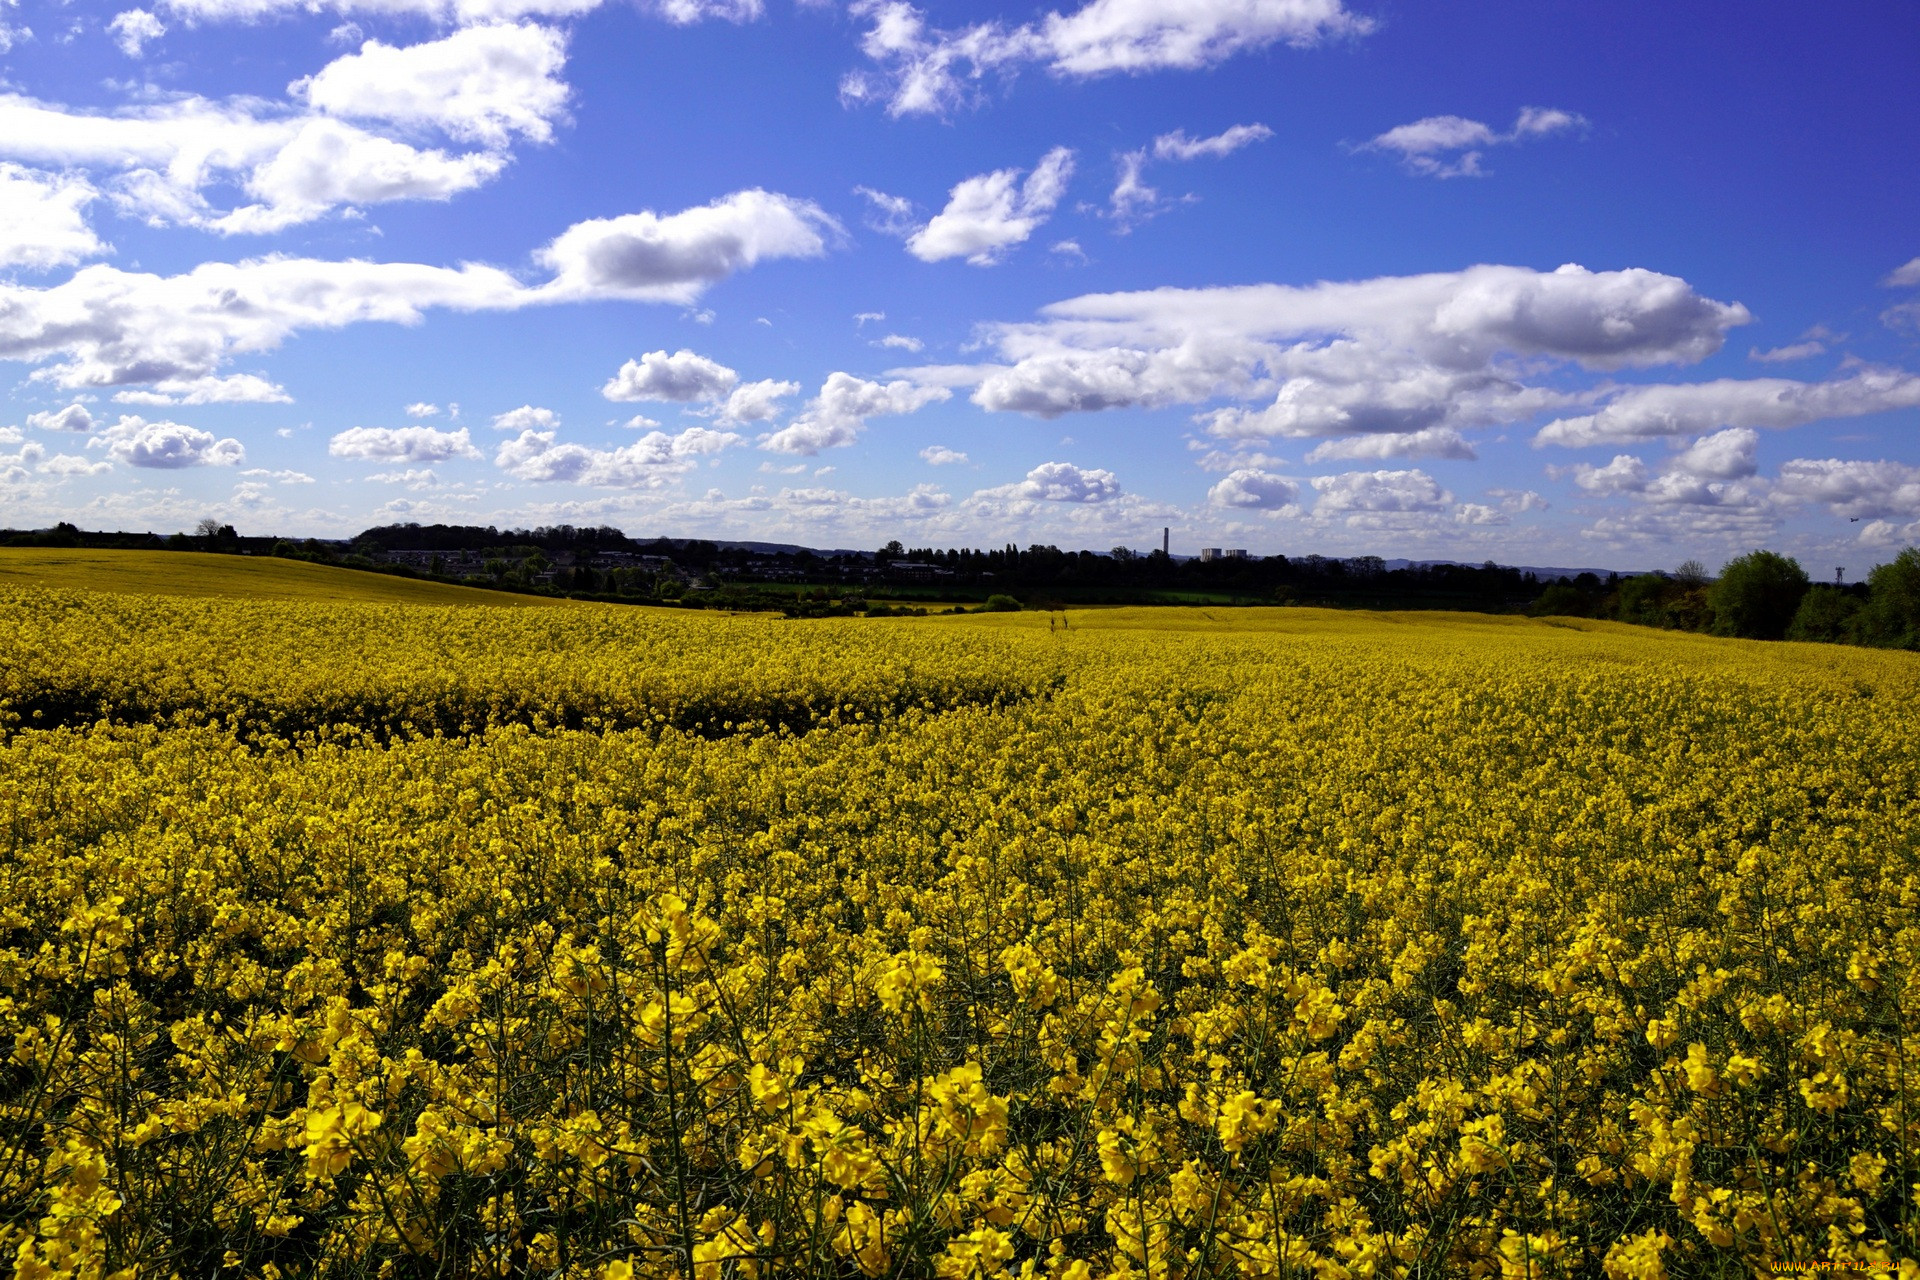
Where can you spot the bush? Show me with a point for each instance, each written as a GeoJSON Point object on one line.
{"type": "Point", "coordinates": [1826, 614]}
{"type": "Point", "coordinates": [1891, 618]}
{"type": "Point", "coordinates": [1002, 604]}
{"type": "Point", "coordinates": [1757, 595]}
{"type": "Point", "coordinates": [1643, 599]}
{"type": "Point", "coordinates": [1563, 600]}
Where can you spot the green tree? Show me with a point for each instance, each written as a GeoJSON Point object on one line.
{"type": "Point", "coordinates": [1757, 595]}
{"type": "Point", "coordinates": [1563, 600]}
{"type": "Point", "coordinates": [1891, 618]}
{"type": "Point", "coordinates": [1002, 604]}
{"type": "Point", "coordinates": [1642, 599]}
{"type": "Point", "coordinates": [1825, 614]}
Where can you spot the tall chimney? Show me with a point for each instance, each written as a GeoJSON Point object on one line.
{"type": "Point", "coordinates": [1166, 542]}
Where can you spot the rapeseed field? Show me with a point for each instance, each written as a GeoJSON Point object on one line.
{"type": "Point", "coordinates": [388, 941]}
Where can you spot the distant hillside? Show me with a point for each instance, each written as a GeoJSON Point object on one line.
{"type": "Point", "coordinates": [196, 573]}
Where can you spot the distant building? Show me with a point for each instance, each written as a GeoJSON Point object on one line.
{"type": "Point", "coordinates": [1237, 553]}
{"type": "Point", "coordinates": [1210, 554]}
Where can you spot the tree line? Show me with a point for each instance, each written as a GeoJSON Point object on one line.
{"type": "Point", "coordinates": [1762, 595]}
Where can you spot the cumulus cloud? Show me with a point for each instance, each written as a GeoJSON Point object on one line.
{"type": "Point", "coordinates": [1855, 489]}
{"type": "Point", "coordinates": [422, 409]}
{"type": "Point", "coordinates": [166, 446]}
{"type": "Point", "coordinates": [989, 214]}
{"type": "Point", "coordinates": [1429, 442]}
{"type": "Point", "coordinates": [1413, 357]}
{"type": "Point", "coordinates": [297, 160]}
{"type": "Point", "coordinates": [43, 219]}
{"type": "Point", "coordinates": [1664, 410]}
{"type": "Point", "coordinates": [73, 417]}
{"type": "Point", "coordinates": [484, 84]}
{"type": "Point", "coordinates": [1712, 472]}
{"type": "Point", "coordinates": [73, 464]}
{"type": "Point", "coordinates": [1905, 276]}
{"type": "Point", "coordinates": [922, 70]}
{"type": "Point", "coordinates": [1059, 482]}
{"type": "Point", "coordinates": [835, 417]}
{"type": "Point", "coordinates": [1358, 492]}
{"type": "Point", "coordinates": [1250, 488]}
{"type": "Point", "coordinates": [1625, 474]}
{"type": "Point", "coordinates": [134, 29]}
{"type": "Point", "coordinates": [682, 376]}
{"type": "Point", "coordinates": [673, 258]}
{"type": "Point", "coordinates": [1451, 146]}
{"type": "Point", "coordinates": [756, 401]}
{"type": "Point", "coordinates": [651, 462]}
{"type": "Point", "coordinates": [526, 418]}
{"type": "Point", "coordinates": [1724, 455]}
{"type": "Point", "coordinates": [899, 342]}
{"type": "Point", "coordinates": [109, 328]}
{"type": "Point", "coordinates": [402, 444]}
{"type": "Point", "coordinates": [938, 455]}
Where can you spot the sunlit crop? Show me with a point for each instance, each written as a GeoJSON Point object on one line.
{"type": "Point", "coordinates": [362, 940]}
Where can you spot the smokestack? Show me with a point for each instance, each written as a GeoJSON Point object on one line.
{"type": "Point", "coordinates": [1166, 542]}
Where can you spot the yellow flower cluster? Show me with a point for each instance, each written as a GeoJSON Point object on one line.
{"type": "Point", "coordinates": [635, 945]}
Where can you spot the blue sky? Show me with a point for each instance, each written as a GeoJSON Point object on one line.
{"type": "Point", "coordinates": [1538, 282]}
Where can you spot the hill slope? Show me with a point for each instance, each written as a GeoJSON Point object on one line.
{"type": "Point", "coordinates": [194, 573]}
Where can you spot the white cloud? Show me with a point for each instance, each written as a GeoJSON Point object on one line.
{"type": "Point", "coordinates": [485, 84]}
{"type": "Point", "coordinates": [73, 417]}
{"type": "Point", "coordinates": [1793, 351]}
{"type": "Point", "coordinates": [683, 13]}
{"type": "Point", "coordinates": [1904, 276]}
{"type": "Point", "coordinates": [1855, 489]}
{"type": "Point", "coordinates": [108, 327]}
{"type": "Point", "coordinates": [1253, 489]}
{"type": "Point", "coordinates": [237, 388]}
{"type": "Point", "coordinates": [650, 462]}
{"type": "Point", "coordinates": [756, 401]}
{"type": "Point", "coordinates": [133, 29]}
{"type": "Point", "coordinates": [938, 455]}
{"type": "Point", "coordinates": [1356, 492]}
{"type": "Point", "coordinates": [835, 417]}
{"type": "Point", "coordinates": [291, 165]}
{"type": "Point", "coordinates": [640, 422]}
{"type": "Point", "coordinates": [1429, 442]}
{"type": "Point", "coordinates": [402, 444]}
{"type": "Point", "coordinates": [462, 12]}
{"type": "Point", "coordinates": [1625, 474]}
{"type": "Point", "coordinates": [890, 215]}
{"type": "Point", "coordinates": [652, 258]}
{"type": "Point", "coordinates": [526, 418]}
{"type": "Point", "coordinates": [1059, 482]}
{"type": "Point", "coordinates": [72, 464]}
{"type": "Point", "coordinates": [1450, 146]}
{"type": "Point", "coordinates": [1134, 201]}
{"type": "Point", "coordinates": [682, 376]}
{"type": "Point", "coordinates": [1712, 472]}
{"type": "Point", "coordinates": [989, 214]}
{"type": "Point", "coordinates": [421, 409]}
{"type": "Point", "coordinates": [1394, 354]}
{"type": "Point", "coordinates": [1178, 146]}
{"type": "Point", "coordinates": [1660, 410]}
{"type": "Point", "coordinates": [920, 70]}
{"type": "Point", "coordinates": [284, 477]}
{"type": "Point", "coordinates": [42, 219]}
{"type": "Point", "coordinates": [166, 446]}
{"type": "Point", "coordinates": [899, 342]}
{"type": "Point", "coordinates": [1724, 455]}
